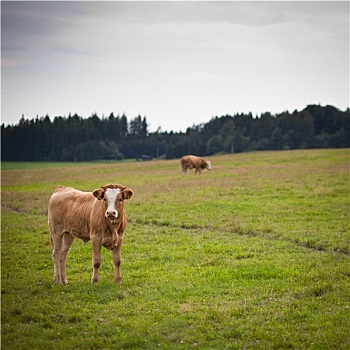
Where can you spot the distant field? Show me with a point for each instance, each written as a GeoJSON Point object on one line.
{"type": "Point", "coordinates": [252, 255]}
{"type": "Point", "coordinates": [45, 165]}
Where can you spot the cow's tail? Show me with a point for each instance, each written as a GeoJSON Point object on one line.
{"type": "Point", "coordinates": [50, 229]}
{"type": "Point", "coordinates": [60, 188]}
{"type": "Point", "coordinates": [51, 242]}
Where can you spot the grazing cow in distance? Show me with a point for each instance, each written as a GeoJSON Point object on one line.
{"type": "Point", "coordinates": [190, 162]}
{"type": "Point", "coordinates": [98, 216]}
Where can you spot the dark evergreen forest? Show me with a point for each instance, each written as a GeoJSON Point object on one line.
{"type": "Point", "coordinates": [74, 138]}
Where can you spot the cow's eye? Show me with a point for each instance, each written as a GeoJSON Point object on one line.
{"type": "Point", "coordinates": [120, 200]}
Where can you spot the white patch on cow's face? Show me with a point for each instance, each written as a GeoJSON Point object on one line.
{"type": "Point", "coordinates": [208, 165]}
{"type": "Point", "coordinates": [111, 195]}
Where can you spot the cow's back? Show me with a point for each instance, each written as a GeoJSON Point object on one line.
{"type": "Point", "coordinates": [69, 210]}
{"type": "Point", "coordinates": [195, 161]}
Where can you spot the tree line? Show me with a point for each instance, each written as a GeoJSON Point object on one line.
{"type": "Point", "coordinates": [75, 138]}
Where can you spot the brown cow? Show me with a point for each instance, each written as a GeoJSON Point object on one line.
{"type": "Point", "coordinates": [190, 162]}
{"type": "Point", "coordinates": [97, 215]}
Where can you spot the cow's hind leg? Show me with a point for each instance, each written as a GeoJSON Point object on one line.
{"type": "Point", "coordinates": [67, 243]}
{"type": "Point", "coordinates": [56, 247]}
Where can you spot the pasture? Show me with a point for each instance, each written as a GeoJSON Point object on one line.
{"type": "Point", "coordinates": [252, 255]}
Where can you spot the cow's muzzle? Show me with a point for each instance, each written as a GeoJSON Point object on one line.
{"type": "Point", "coordinates": [111, 214]}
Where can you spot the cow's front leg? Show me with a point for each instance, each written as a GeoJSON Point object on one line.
{"type": "Point", "coordinates": [117, 261]}
{"type": "Point", "coordinates": [96, 259]}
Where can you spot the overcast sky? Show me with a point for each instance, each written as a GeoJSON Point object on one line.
{"type": "Point", "coordinates": [177, 63]}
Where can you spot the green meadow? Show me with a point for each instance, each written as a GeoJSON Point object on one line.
{"type": "Point", "coordinates": [252, 255]}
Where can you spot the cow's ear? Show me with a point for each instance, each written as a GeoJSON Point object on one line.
{"type": "Point", "coordinates": [127, 193]}
{"type": "Point", "coordinates": [99, 194]}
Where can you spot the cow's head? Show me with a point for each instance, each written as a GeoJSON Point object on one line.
{"type": "Point", "coordinates": [208, 165]}
{"type": "Point", "coordinates": [113, 196]}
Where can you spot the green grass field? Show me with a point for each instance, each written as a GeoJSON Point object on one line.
{"type": "Point", "coordinates": [252, 255]}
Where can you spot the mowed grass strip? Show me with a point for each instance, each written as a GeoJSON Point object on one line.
{"type": "Point", "coordinates": [254, 254]}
